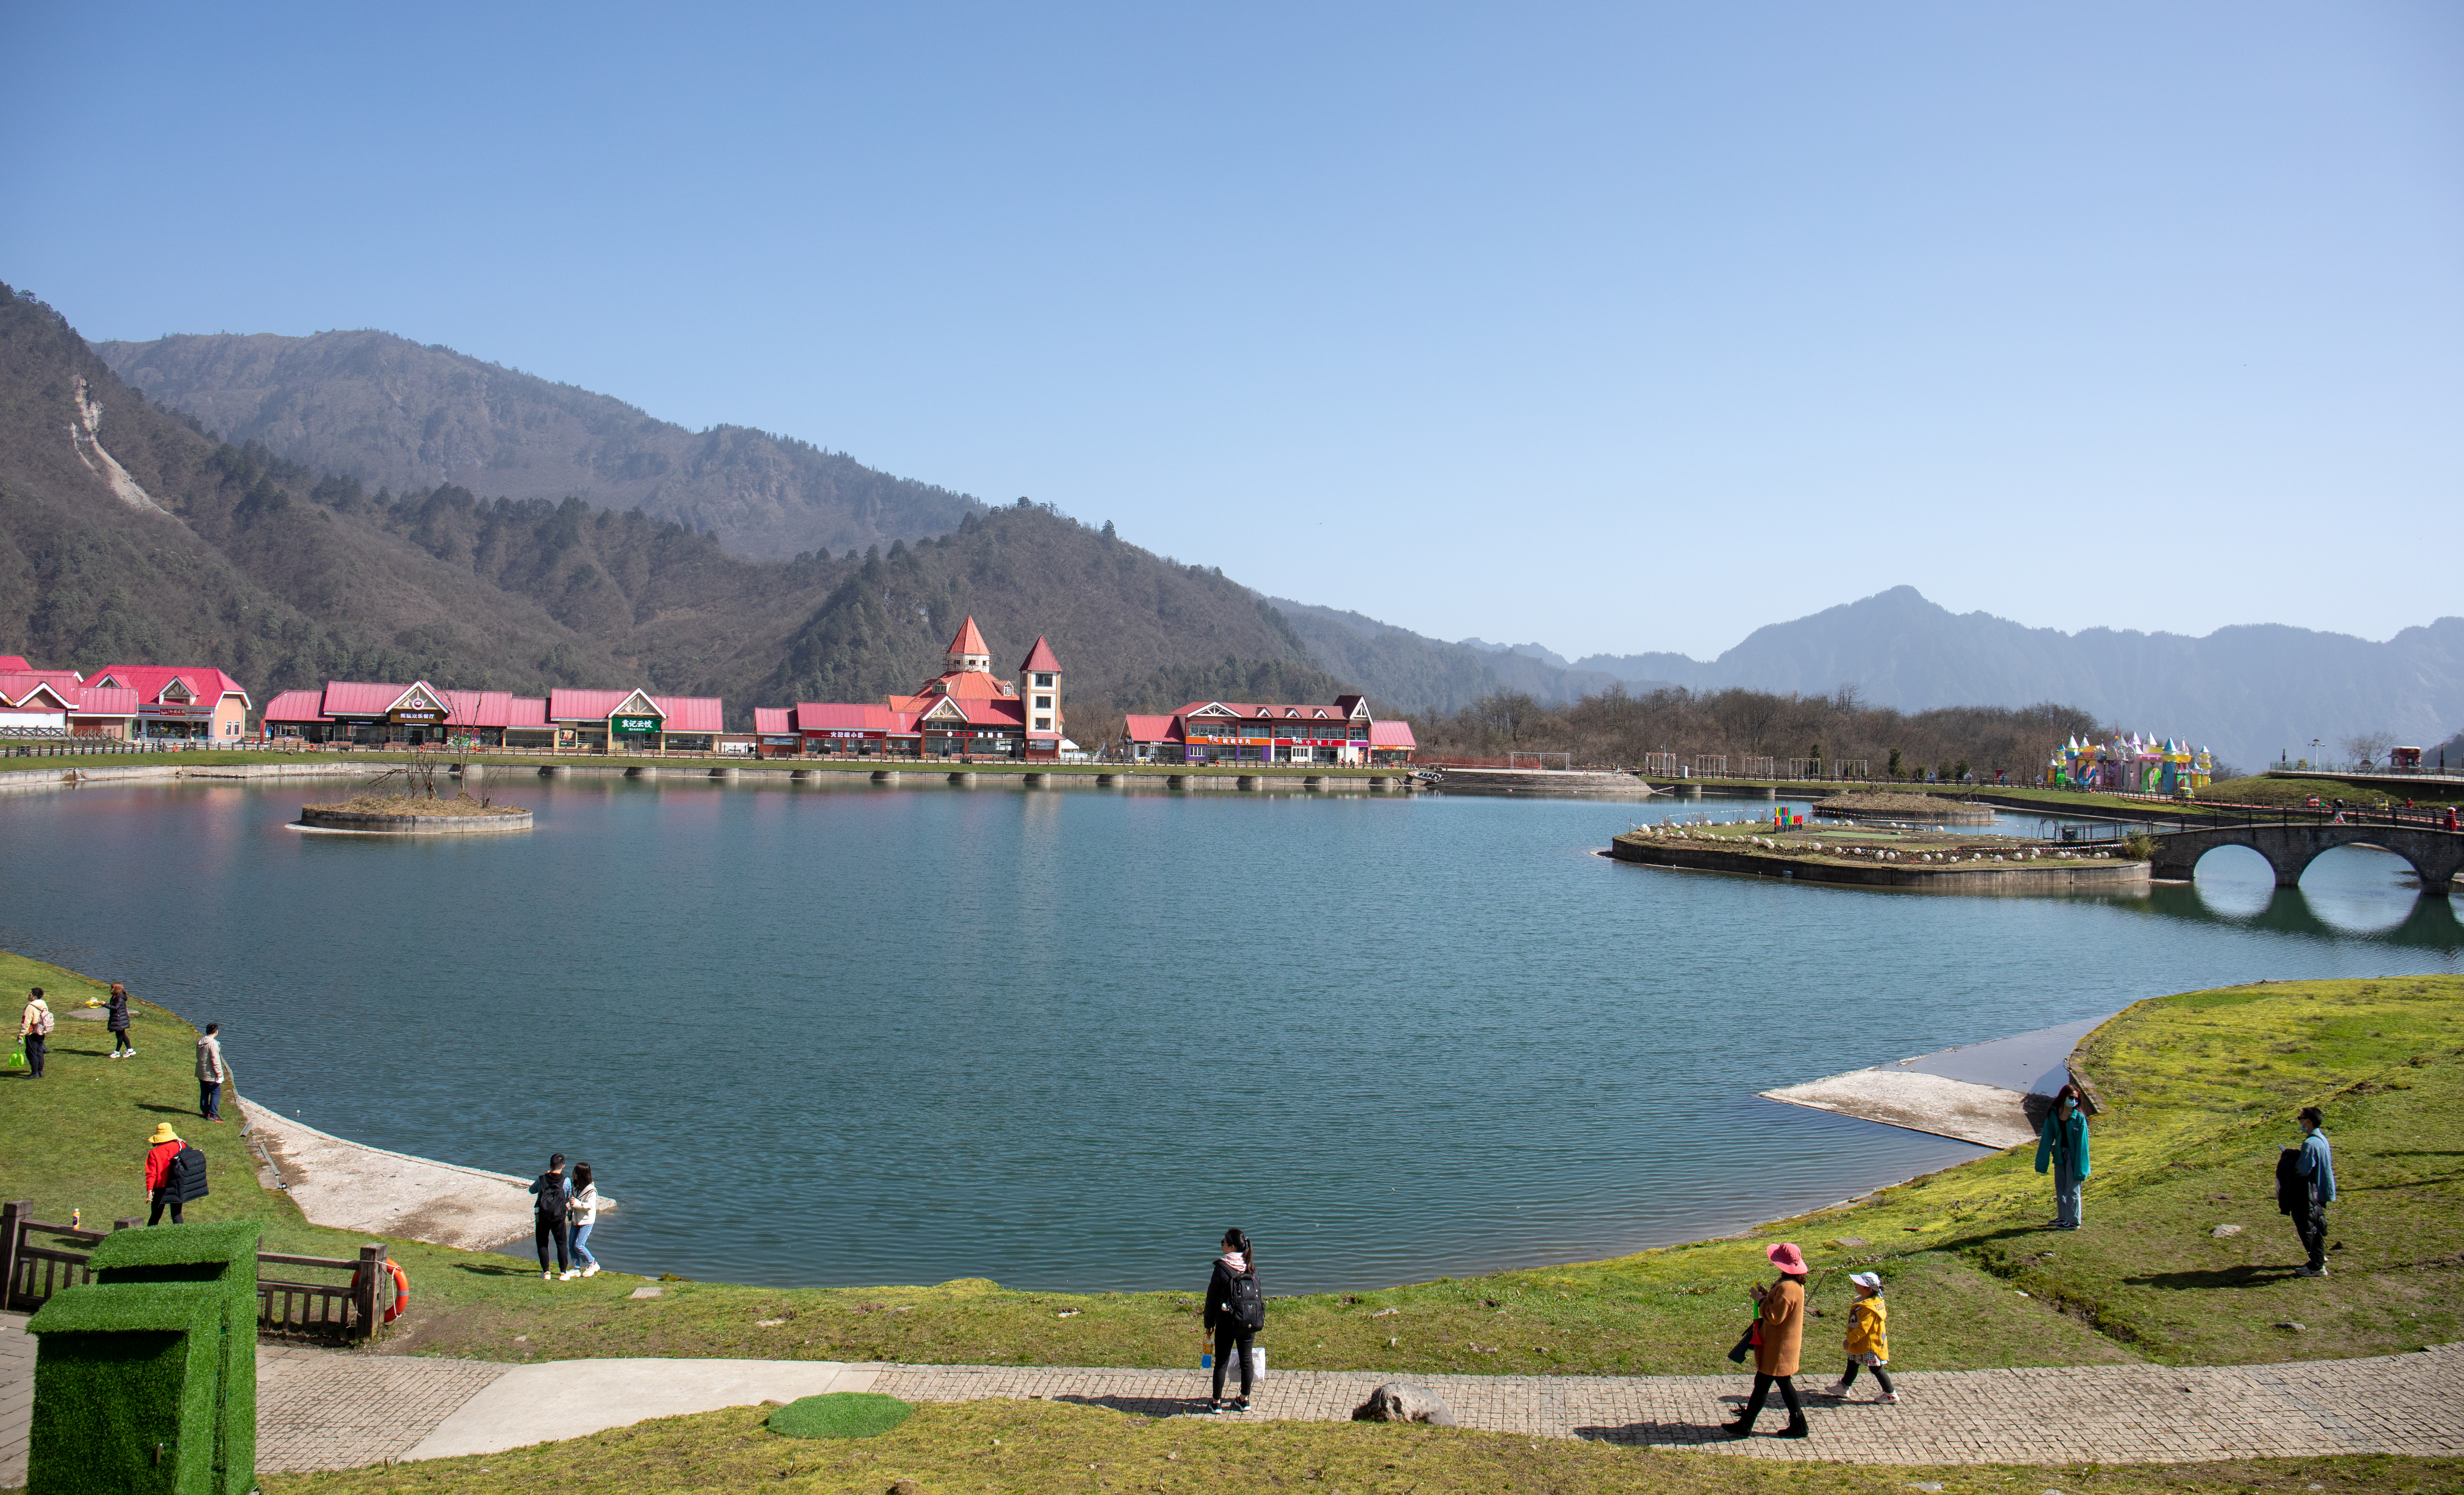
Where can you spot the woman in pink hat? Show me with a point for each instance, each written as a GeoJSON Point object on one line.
{"type": "Point", "coordinates": [1780, 1331]}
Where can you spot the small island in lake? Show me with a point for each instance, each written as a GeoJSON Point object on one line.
{"type": "Point", "coordinates": [1881, 804]}
{"type": "Point", "coordinates": [1874, 856]}
{"type": "Point", "coordinates": [412, 815]}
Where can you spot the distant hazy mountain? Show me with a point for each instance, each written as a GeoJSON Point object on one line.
{"type": "Point", "coordinates": [1540, 653]}
{"type": "Point", "coordinates": [2251, 693]}
{"type": "Point", "coordinates": [396, 413]}
{"type": "Point", "coordinates": [1417, 673]}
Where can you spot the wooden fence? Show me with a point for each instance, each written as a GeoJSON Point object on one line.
{"type": "Point", "coordinates": [344, 1311]}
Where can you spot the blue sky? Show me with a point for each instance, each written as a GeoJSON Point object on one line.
{"type": "Point", "coordinates": [1612, 328]}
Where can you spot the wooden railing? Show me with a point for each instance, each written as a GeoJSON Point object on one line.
{"type": "Point", "coordinates": [346, 1310]}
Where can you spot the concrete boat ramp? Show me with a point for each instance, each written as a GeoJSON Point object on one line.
{"type": "Point", "coordinates": [1993, 1095]}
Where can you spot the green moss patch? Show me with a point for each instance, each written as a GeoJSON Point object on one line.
{"type": "Point", "coordinates": [842, 1414]}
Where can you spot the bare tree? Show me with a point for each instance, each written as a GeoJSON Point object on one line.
{"type": "Point", "coordinates": [2365, 749]}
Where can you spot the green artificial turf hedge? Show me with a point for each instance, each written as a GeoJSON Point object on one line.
{"type": "Point", "coordinates": [125, 1386]}
{"type": "Point", "coordinates": [221, 1255]}
{"type": "Point", "coordinates": [842, 1414]}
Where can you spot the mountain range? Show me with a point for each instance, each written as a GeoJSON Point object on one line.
{"type": "Point", "coordinates": [409, 416]}
{"type": "Point", "coordinates": [525, 534]}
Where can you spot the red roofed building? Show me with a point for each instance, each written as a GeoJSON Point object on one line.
{"type": "Point", "coordinates": [180, 701]}
{"type": "Point", "coordinates": [634, 722]}
{"type": "Point", "coordinates": [1259, 732]}
{"type": "Point", "coordinates": [415, 715]}
{"type": "Point", "coordinates": [32, 706]}
{"type": "Point", "coordinates": [965, 712]}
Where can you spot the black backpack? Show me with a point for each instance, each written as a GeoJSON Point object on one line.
{"type": "Point", "coordinates": [552, 1195]}
{"type": "Point", "coordinates": [1248, 1305]}
{"type": "Point", "coordinates": [188, 1174]}
{"type": "Point", "coordinates": [2292, 1189]}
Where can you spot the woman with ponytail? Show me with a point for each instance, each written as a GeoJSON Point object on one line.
{"type": "Point", "coordinates": [1236, 1310]}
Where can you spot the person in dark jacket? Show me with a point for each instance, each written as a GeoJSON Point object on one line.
{"type": "Point", "coordinates": [116, 1019]}
{"type": "Point", "coordinates": [1233, 1281]}
{"type": "Point", "coordinates": [549, 1219]}
{"type": "Point", "coordinates": [2062, 1146]}
{"type": "Point", "coordinates": [2317, 1168]}
{"type": "Point", "coordinates": [175, 1172]}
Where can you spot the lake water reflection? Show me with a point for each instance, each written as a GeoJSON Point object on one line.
{"type": "Point", "coordinates": [1062, 1038]}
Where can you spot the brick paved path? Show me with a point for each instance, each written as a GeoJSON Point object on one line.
{"type": "Point", "coordinates": [2115, 1413]}
{"type": "Point", "coordinates": [326, 1408]}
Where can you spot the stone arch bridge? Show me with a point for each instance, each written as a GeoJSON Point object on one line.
{"type": "Point", "coordinates": [2436, 855]}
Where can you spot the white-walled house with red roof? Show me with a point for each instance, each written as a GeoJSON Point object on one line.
{"type": "Point", "coordinates": [54, 703]}
{"type": "Point", "coordinates": [180, 701]}
{"type": "Point", "coordinates": [1264, 732]}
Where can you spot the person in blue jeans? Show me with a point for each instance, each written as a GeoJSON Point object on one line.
{"type": "Point", "coordinates": [2317, 1168]}
{"type": "Point", "coordinates": [583, 1213]}
{"type": "Point", "coordinates": [2062, 1146]}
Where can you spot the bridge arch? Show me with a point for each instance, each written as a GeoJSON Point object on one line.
{"type": "Point", "coordinates": [2435, 855]}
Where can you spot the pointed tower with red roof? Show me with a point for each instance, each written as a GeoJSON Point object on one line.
{"type": "Point", "coordinates": [1038, 686]}
{"type": "Point", "coordinates": [969, 651]}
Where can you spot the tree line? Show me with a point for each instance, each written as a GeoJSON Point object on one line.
{"type": "Point", "coordinates": [1615, 727]}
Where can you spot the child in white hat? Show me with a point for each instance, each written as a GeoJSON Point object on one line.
{"type": "Point", "coordinates": [1869, 1338]}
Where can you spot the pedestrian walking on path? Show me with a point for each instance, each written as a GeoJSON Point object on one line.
{"type": "Point", "coordinates": [581, 1213]}
{"type": "Point", "coordinates": [1235, 1310]}
{"type": "Point", "coordinates": [210, 1074]}
{"type": "Point", "coordinates": [175, 1172]}
{"type": "Point", "coordinates": [34, 1031]}
{"type": "Point", "coordinates": [116, 1019]}
{"type": "Point", "coordinates": [1869, 1338]}
{"type": "Point", "coordinates": [2062, 1146]}
{"type": "Point", "coordinates": [1780, 1333]}
{"type": "Point", "coordinates": [2314, 1189]}
{"type": "Point", "coordinates": [548, 1217]}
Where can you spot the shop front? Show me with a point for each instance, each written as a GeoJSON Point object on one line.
{"type": "Point", "coordinates": [634, 722]}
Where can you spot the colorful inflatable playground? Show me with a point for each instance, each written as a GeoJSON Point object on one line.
{"type": "Point", "coordinates": [2131, 765]}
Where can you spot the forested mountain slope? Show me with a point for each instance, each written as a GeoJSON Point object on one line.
{"type": "Point", "coordinates": [1418, 674]}
{"type": "Point", "coordinates": [406, 416]}
{"type": "Point", "coordinates": [126, 533]}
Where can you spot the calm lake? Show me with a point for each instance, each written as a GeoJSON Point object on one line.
{"type": "Point", "coordinates": [1062, 1038]}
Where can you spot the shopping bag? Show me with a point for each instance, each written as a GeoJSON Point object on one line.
{"type": "Point", "coordinates": [17, 1056]}
{"type": "Point", "coordinates": [1257, 1365]}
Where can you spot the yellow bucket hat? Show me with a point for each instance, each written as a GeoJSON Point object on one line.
{"type": "Point", "coordinates": [163, 1133]}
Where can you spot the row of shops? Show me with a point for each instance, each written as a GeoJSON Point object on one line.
{"type": "Point", "coordinates": [155, 702]}
{"type": "Point", "coordinates": [421, 715]}
{"type": "Point", "coordinates": [967, 712]}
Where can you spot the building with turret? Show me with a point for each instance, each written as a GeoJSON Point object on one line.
{"type": "Point", "coordinates": [964, 711]}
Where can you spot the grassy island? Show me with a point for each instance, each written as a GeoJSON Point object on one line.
{"type": "Point", "coordinates": [2200, 1088]}
{"type": "Point", "coordinates": [1884, 856]}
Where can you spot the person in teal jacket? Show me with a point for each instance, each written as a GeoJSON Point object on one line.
{"type": "Point", "coordinates": [2062, 1146]}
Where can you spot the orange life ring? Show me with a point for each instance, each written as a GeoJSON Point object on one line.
{"type": "Point", "coordinates": [400, 1292]}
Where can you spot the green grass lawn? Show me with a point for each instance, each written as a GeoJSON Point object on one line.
{"type": "Point", "coordinates": [2295, 793]}
{"type": "Point", "coordinates": [1038, 1446]}
{"type": "Point", "coordinates": [2202, 1087]}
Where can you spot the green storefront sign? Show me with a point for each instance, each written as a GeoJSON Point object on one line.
{"type": "Point", "coordinates": [632, 723]}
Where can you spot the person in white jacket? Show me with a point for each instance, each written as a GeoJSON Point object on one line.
{"type": "Point", "coordinates": [581, 1210]}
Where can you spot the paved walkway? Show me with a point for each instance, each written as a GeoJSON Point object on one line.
{"type": "Point", "coordinates": [329, 1409]}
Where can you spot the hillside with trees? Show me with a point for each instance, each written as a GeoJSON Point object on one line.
{"type": "Point", "coordinates": [406, 416]}
{"type": "Point", "coordinates": [127, 533]}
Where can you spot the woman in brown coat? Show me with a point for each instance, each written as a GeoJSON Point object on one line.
{"type": "Point", "coordinates": [1782, 1325]}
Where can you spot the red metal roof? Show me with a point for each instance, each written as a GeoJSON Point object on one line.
{"type": "Point", "coordinates": [63, 681]}
{"type": "Point", "coordinates": [1011, 713]}
{"type": "Point", "coordinates": [478, 707]}
{"type": "Point", "coordinates": [1041, 657]}
{"type": "Point", "coordinates": [92, 700]}
{"type": "Point", "coordinates": [1260, 710]}
{"type": "Point", "coordinates": [297, 706]}
{"type": "Point", "coordinates": [527, 710]}
{"type": "Point", "coordinates": [1392, 734]}
{"type": "Point", "coordinates": [150, 681]}
{"type": "Point", "coordinates": [970, 641]}
{"type": "Point", "coordinates": [15, 665]}
{"type": "Point", "coordinates": [691, 713]}
{"type": "Point", "coordinates": [361, 698]}
{"type": "Point", "coordinates": [771, 721]}
{"type": "Point", "coordinates": [16, 690]}
{"type": "Point", "coordinates": [1148, 729]}
{"type": "Point", "coordinates": [851, 717]}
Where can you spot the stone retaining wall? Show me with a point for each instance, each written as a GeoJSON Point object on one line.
{"type": "Point", "coordinates": [413, 825]}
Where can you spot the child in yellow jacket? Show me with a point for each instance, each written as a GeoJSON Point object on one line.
{"type": "Point", "coordinates": [1869, 1338]}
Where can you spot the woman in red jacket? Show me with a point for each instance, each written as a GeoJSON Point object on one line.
{"type": "Point", "coordinates": [164, 1149]}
